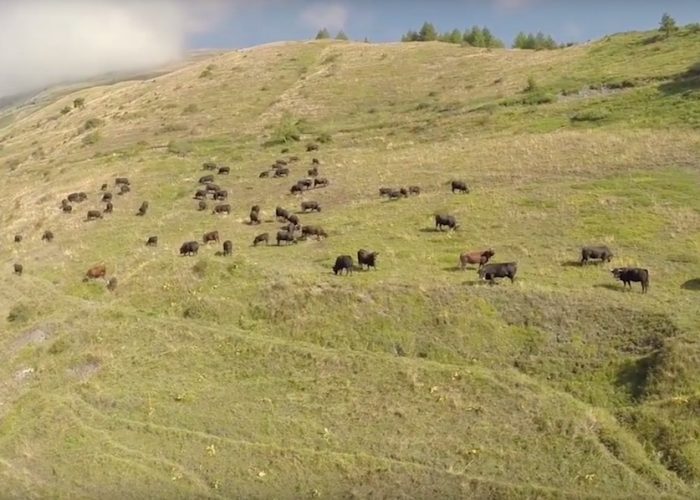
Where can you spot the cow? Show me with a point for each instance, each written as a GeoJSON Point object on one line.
{"type": "Point", "coordinates": [313, 231]}
{"type": "Point", "coordinates": [94, 214]}
{"type": "Point", "coordinates": [228, 248]}
{"type": "Point", "coordinates": [67, 209]}
{"type": "Point", "coordinates": [482, 258]}
{"type": "Point", "coordinates": [222, 209]}
{"type": "Point", "coordinates": [152, 241]}
{"type": "Point", "coordinates": [264, 174]}
{"type": "Point", "coordinates": [65, 202]}
{"type": "Point", "coordinates": [221, 195]}
{"type": "Point", "coordinates": [293, 219]}
{"type": "Point", "coordinates": [367, 258]}
{"type": "Point", "coordinates": [112, 284]}
{"type": "Point", "coordinates": [310, 206]}
{"type": "Point", "coordinates": [202, 205]}
{"type": "Point", "coordinates": [296, 189]}
{"type": "Point", "coordinates": [628, 275]}
{"type": "Point", "coordinates": [305, 183]}
{"type": "Point", "coordinates": [385, 191]}
{"type": "Point", "coordinates": [200, 194]}
{"type": "Point", "coordinates": [321, 182]}
{"type": "Point", "coordinates": [18, 238]}
{"type": "Point", "coordinates": [311, 147]}
{"type": "Point", "coordinates": [600, 252]}
{"type": "Point", "coordinates": [312, 172]}
{"type": "Point", "coordinates": [281, 172]}
{"type": "Point", "coordinates": [19, 269]}
{"type": "Point", "coordinates": [206, 179]}
{"type": "Point", "coordinates": [212, 188]}
{"type": "Point", "coordinates": [460, 187]}
{"type": "Point", "coordinates": [224, 170]}
{"type": "Point", "coordinates": [109, 208]}
{"type": "Point", "coordinates": [260, 238]}
{"type": "Point", "coordinates": [208, 165]}
{"type": "Point", "coordinates": [255, 208]}
{"type": "Point", "coordinates": [123, 189]}
{"type": "Point", "coordinates": [445, 220]}
{"type": "Point", "coordinates": [314, 161]}
{"type": "Point", "coordinates": [107, 197]}
{"type": "Point", "coordinates": [414, 190]}
{"type": "Point", "coordinates": [282, 163]}
{"type": "Point", "coordinates": [189, 248]}
{"type": "Point", "coordinates": [211, 236]}
{"type": "Point", "coordinates": [395, 194]}
{"type": "Point", "coordinates": [492, 271]}
{"type": "Point", "coordinates": [281, 213]}
{"type": "Point", "coordinates": [286, 236]}
{"type": "Point", "coordinates": [343, 262]}
{"type": "Point", "coordinates": [143, 209]}
{"type": "Point", "coordinates": [121, 181]}
{"type": "Point", "coordinates": [254, 217]}
{"type": "Point", "coordinates": [96, 272]}
{"type": "Point", "coordinates": [77, 197]}
{"type": "Point", "coordinates": [47, 236]}
{"type": "Point", "coordinates": [104, 187]}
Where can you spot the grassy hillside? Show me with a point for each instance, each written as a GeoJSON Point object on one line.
{"type": "Point", "coordinates": [264, 375]}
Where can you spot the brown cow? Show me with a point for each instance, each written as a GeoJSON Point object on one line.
{"type": "Point", "coordinates": [19, 269]}
{"type": "Point", "coordinates": [95, 272]}
{"type": "Point", "coordinates": [482, 258]}
{"type": "Point", "coordinates": [260, 238]}
{"type": "Point", "coordinates": [47, 236]}
{"type": "Point", "coordinates": [211, 236]}
{"type": "Point", "coordinates": [109, 208]}
{"type": "Point", "coordinates": [143, 209]}
{"type": "Point", "coordinates": [94, 214]}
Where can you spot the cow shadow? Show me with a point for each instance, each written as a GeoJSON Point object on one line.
{"type": "Point", "coordinates": [430, 230]}
{"type": "Point", "coordinates": [475, 283]}
{"type": "Point", "coordinates": [571, 263]}
{"type": "Point", "coordinates": [611, 286]}
{"type": "Point", "coordinates": [693, 285]}
{"type": "Point", "coordinates": [453, 269]}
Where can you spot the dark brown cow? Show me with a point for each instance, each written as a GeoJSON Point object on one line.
{"type": "Point", "coordinates": [19, 269]}
{"type": "Point", "coordinates": [264, 174]}
{"type": "Point", "coordinates": [107, 197]}
{"type": "Point", "coordinates": [112, 284]}
{"type": "Point", "coordinates": [228, 248]}
{"type": "Point", "coordinates": [208, 165]}
{"type": "Point", "coordinates": [628, 275]}
{"type": "Point", "coordinates": [321, 182]}
{"type": "Point", "coordinates": [260, 238]}
{"type": "Point", "coordinates": [121, 181]}
{"type": "Point", "coordinates": [310, 206]}
{"type": "Point", "coordinates": [311, 147]}
{"type": "Point", "coordinates": [312, 172]}
{"type": "Point", "coordinates": [104, 187]}
{"type": "Point", "coordinates": [293, 219]}
{"type": "Point", "coordinates": [200, 194]}
{"type": "Point", "coordinates": [67, 209]}
{"type": "Point", "coordinates": [296, 189]}
{"type": "Point", "coordinates": [281, 213]}
{"type": "Point", "coordinates": [492, 271]}
{"type": "Point", "coordinates": [448, 221]}
{"type": "Point", "coordinates": [77, 197]}
{"type": "Point", "coordinates": [123, 189]}
{"type": "Point", "coordinates": [206, 179]}
{"type": "Point", "coordinates": [189, 248]}
{"type": "Point", "coordinates": [224, 170]}
{"type": "Point", "coordinates": [221, 195]}
{"type": "Point", "coordinates": [254, 217]}
{"type": "Point", "coordinates": [152, 241]}
{"type": "Point", "coordinates": [47, 236]}
{"type": "Point", "coordinates": [143, 209]}
{"type": "Point", "coordinates": [314, 161]}
{"type": "Point", "coordinates": [459, 186]}
{"type": "Point", "coordinates": [314, 231]}
{"type": "Point", "coordinates": [600, 252]}
{"type": "Point", "coordinates": [109, 208]}
{"type": "Point", "coordinates": [414, 190]}
{"type": "Point", "coordinates": [211, 236]}
{"type": "Point", "coordinates": [18, 238]}
{"type": "Point", "coordinates": [222, 209]}
{"type": "Point", "coordinates": [286, 236]}
{"type": "Point", "coordinates": [343, 263]}
{"type": "Point", "coordinates": [386, 191]}
{"type": "Point", "coordinates": [281, 172]}
{"type": "Point", "coordinates": [367, 258]}
{"type": "Point", "coordinates": [94, 214]}
{"type": "Point", "coordinates": [212, 188]}
{"type": "Point", "coordinates": [482, 258]}
{"type": "Point", "coordinates": [202, 205]}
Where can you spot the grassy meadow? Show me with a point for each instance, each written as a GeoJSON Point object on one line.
{"type": "Point", "coordinates": [263, 375]}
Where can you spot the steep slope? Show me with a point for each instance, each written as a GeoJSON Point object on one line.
{"type": "Point", "coordinates": [262, 374]}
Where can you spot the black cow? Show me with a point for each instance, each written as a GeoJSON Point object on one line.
{"type": "Point", "coordinates": [395, 194]}
{"type": "Point", "coordinates": [600, 252]}
{"type": "Point", "coordinates": [112, 284]}
{"type": "Point", "coordinates": [152, 241]}
{"type": "Point", "coordinates": [414, 190]}
{"type": "Point", "coordinates": [202, 205]}
{"type": "Point", "coordinates": [206, 179]}
{"type": "Point", "coordinates": [260, 238]}
{"type": "Point", "coordinates": [310, 206]}
{"type": "Point", "coordinates": [281, 213]}
{"type": "Point", "coordinates": [343, 262]}
{"type": "Point", "coordinates": [19, 269]}
{"type": "Point", "coordinates": [281, 172]}
{"type": "Point", "coordinates": [18, 238]}
{"type": "Point", "coordinates": [121, 180]}
{"type": "Point", "coordinates": [292, 159]}
{"type": "Point", "coordinates": [221, 195]}
{"type": "Point", "coordinates": [94, 214]}
{"type": "Point", "coordinates": [77, 197]}
{"type": "Point", "coordinates": [255, 208]}
{"type": "Point", "coordinates": [254, 217]}
{"type": "Point", "coordinates": [189, 248]}
{"type": "Point", "coordinates": [222, 209]}
{"type": "Point", "coordinates": [211, 236]}
{"type": "Point", "coordinates": [445, 220]}
{"type": "Point", "coordinates": [208, 165]}
{"type": "Point", "coordinates": [104, 187]}
{"type": "Point", "coordinates": [385, 191]}
{"type": "Point", "coordinates": [286, 236]}
{"type": "Point", "coordinates": [47, 236]}
{"type": "Point", "coordinates": [107, 197]}
{"type": "Point", "coordinates": [460, 186]}
{"type": "Point", "coordinates": [142, 209]}
{"type": "Point", "coordinates": [296, 189]}
{"type": "Point", "coordinates": [123, 189]}
{"type": "Point", "coordinates": [321, 182]}
{"type": "Point", "coordinates": [282, 163]}
{"type": "Point", "coordinates": [224, 170]}
{"type": "Point", "coordinates": [628, 275]}
{"type": "Point", "coordinates": [200, 194]}
{"type": "Point", "coordinates": [366, 258]}
{"type": "Point", "coordinates": [212, 188]}
{"type": "Point", "coordinates": [67, 209]}
{"type": "Point", "coordinates": [293, 219]}
{"type": "Point", "coordinates": [492, 271]}
{"type": "Point", "coordinates": [228, 248]}
{"type": "Point", "coordinates": [109, 208]}
{"type": "Point", "coordinates": [314, 161]}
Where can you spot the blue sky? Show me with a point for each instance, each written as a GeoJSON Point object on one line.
{"type": "Point", "coordinates": [242, 24]}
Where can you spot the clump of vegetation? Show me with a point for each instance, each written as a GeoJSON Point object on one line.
{"type": "Point", "coordinates": [92, 138]}
{"type": "Point", "coordinates": [79, 103]}
{"type": "Point", "coordinates": [341, 36]}
{"type": "Point", "coordinates": [474, 37]}
{"type": "Point", "coordinates": [530, 41]}
{"type": "Point", "coordinates": [593, 115]}
{"type": "Point", "coordinates": [92, 123]}
{"type": "Point", "coordinates": [200, 268]}
{"type": "Point", "coordinates": [190, 109]}
{"type": "Point", "coordinates": [208, 71]}
{"type": "Point", "coordinates": [531, 84]}
{"type": "Point", "coordinates": [324, 138]}
{"type": "Point", "coordinates": [19, 313]}
{"type": "Point", "coordinates": [323, 34]}
{"type": "Point", "coordinates": [287, 131]}
{"type": "Point", "coordinates": [180, 148]}
{"type": "Point", "coordinates": [65, 110]}
{"type": "Point", "coordinates": [667, 25]}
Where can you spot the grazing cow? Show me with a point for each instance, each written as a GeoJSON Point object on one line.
{"type": "Point", "coordinates": [208, 165]}
{"type": "Point", "coordinates": [228, 248]}
{"type": "Point", "coordinates": [281, 172]}
{"type": "Point", "coordinates": [18, 238]}
{"type": "Point", "coordinates": [143, 209]}
{"type": "Point", "coordinates": [313, 172]}
{"type": "Point", "coordinates": [321, 182]}
{"type": "Point", "coordinates": [189, 248]}
{"type": "Point", "coordinates": [366, 258]}
{"type": "Point", "coordinates": [459, 186]}
{"type": "Point", "coordinates": [305, 183]}
{"type": "Point", "coordinates": [314, 161]}
{"type": "Point", "coordinates": [404, 192]}
{"type": "Point", "coordinates": [293, 219]}
{"type": "Point", "coordinates": [632, 274]}
{"type": "Point", "coordinates": [109, 208]}
{"type": "Point", "coordinates": [310, 206]}
{"type": "Point", "coordinates": [492, 271]}
{"type": "Point", "coordinates": [152, 241]}
{"type": "Point", "coordinates": [221, 195]}
{"type": "Point", "coordinates": [260, 238]}
{"type": "Point", "coordinates": [343, 262]}
{"type": "Point", "coordinates": [47, 236]}
{"type": "Point", "coordinates": [224, 170]}
{"type": "Point", "coordinates": [281, 213]}
{"type": "Point", "coordinates": [212, 188]}
{"type": "Point", "coordinates": [254, 217]}
{"type": "Point", "coordinates": [206, 179]}
{"type": "Point", "coordinates": [395, 194]}
{"type": "Point", "coordinates": [286, 236]}
{"type": "Point", "coordinates": [19, 269]}
{"type": "Point", "coordinates": [482, 258]}
{"type": "Point", "coordinates": [292, 159]}
{"type": "Point", "coordinates": [67, 209]}
{"type": "Point", "coordinates": [414, 190]}
{"type": "Point", "coordinates": [211, 236]}
{"type": "Point", "coordinates": [112, 284]}
{"type": "Point", "coordinates": [385, 191]}
{"type": "Point", "coordinates": [96, 272]}
{"type": "Point", "coordinates": [107, 197]}
{"type": "Point", "coordinates": [77, 197]}
{"type": "Point", "coordinates": [121, 180]}
{"type": "Point", "coordinates": [281, 162]}
{"type": "Point", "coordinates": [200, 194]}
{"type": "Point", "coordinates": [123, 189]}
{"type": "Point", "coordinates": [94, 214]}
{"type": "Point", "coordinates": [202, 205]}
{"type": "Point", "coordinates": [255, 208]}
{"type": "Point", "coordinates": [445, 220]}
{"type": "Point", "coordinates": [600, 252]}
{"type": "Point", "coordinates": [264, 174]}
{"type": "Point", "coordinates": [296, 189]}
{"type": "Point", "coordinates": [313, 231]}
{"type": "Point", "coordinates": [104, 187]}
{"type": "Point", "coordinates": [222, 209]}
{"type": "Point", "coordinates": [311, 147]}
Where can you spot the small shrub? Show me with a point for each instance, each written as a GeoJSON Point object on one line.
{"type": "Point", "coordinates": [624, 84]}
{"type": "Point", "coordinates": [66, 110]}
{"type": "Point", "coordinates": [19, 313]}
{"type": "Point", "coordinates": [287, 131]}
{"type": "Point", "coordinates": [693, 27]}
{"type": "Point", "coordinates": [324, 138]}
{"type": "Point", "coordinates": [190, 109]}
{"type": "Point", "coordinates": [180, 148]}
{"type": "Point", "coordinates": [92, 123]}
{"type": "Point", "coordinates": [593, 115]}
{"type": "Point", "coordinates": [13, 164]}
{"type": "Point", "coordinates": [92, 139]}
{"type": "Point", "coordinates": [79, 103]}
{"type": "Point", "coordinates": [206, 73]}
{"type": "Point", "coordinates": [531, 84]}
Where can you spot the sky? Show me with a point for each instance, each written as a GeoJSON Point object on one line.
{"type": "Point", "coordinates": [43, 42]}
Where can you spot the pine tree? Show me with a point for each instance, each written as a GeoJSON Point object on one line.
{"type": "Point", "coordinates": [323, 34]}
{"type": "Point", "coordinates": [520, 41]}
{"type": "Point", "coordinates": [341, 35]}
{"type": "Point", "coordinates": [667, 25]}
{"type": "Point", "coordinates": [427, 33]}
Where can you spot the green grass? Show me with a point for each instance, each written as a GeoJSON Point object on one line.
{"type": "Point", "coordinates": [264, 375]}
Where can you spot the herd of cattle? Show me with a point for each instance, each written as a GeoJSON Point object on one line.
{"type": "Point", "coordinates": [294, 231]}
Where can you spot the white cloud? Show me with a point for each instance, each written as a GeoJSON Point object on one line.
{"type": "Point", "coordinates": [330, 16]}
{"type": "Point", "coordinates": [514, 4]}
{"type": "Point", "coordinates": [44, 41]}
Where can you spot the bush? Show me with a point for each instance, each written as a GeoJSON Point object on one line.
{"type": "Point", "coordinates": [693, 27]}
{"type": "Point", "coordinates": [324, 138]}
{"type": "Point", "coordinates": [19, 313]}
{"type": "Point", "coordinates": [92, 123]}
{"type": "Point", "coordinates": [531, 84]}
{"type": "Point", "coordinates": [66, 110]}
{"type": "Point", "coordinates": [79, 103]}
{"type": "Point", "coordinates": [92, 139]}
{"type": "Point", "coordinates": [180, 148]}
{"type": "Point", "coordinates": [287, 131]}
{"type": "Point", "coordinates": [190, 108]}
{"type": "Point", "coordinates": [592, 115]}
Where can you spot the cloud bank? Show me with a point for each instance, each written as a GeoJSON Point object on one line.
{"type": "Point", "coordinates": [43, 42]}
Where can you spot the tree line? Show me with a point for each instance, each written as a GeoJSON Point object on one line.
{"type": "Point", "coordinates": [475, 36]}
